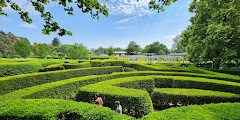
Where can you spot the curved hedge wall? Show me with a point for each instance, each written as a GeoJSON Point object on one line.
{"type": "Point", "coordinates": [137, 102]}
{"type": "Point", "coordinates": [40, 109]}
{"type": "Point", "coordinates": [9, 84]}
{"type": "Point", "coordinates": [78, 65]}
{"type": "Point", "coordinates": [176, 96]}
{"type": "Point", "coordinates": [221, 111]}
{"type": "Point", "coordinates": [16, 68]}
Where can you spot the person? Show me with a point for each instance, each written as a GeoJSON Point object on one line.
{"type": "Point", "coordinates": [119, 107]}
{"type": "Point", "coordinates": [98, 100]}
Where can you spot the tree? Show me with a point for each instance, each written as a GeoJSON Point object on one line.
{"type": "Point", "coordinates": [6, 44]}
{"type": "Point", "coordinates": [87, 6]}
{"type": "Point", "coordinates": [42, 50]}
{"type": "Point", "coordinates": [133, 48]}
{"type": "Point", "coordinates": [157, 48]}
{"type": "Point", "coordinates": [54, 53]}
{"type": "Point", "coordinates": [22, 48]}
{"type": "Point", "coordinates": [35, 48]}
{"type": "Point", "coordinates": [177, 47]}
{"type": "Point", "coordinates": [101, 50]}
{"type": "Point", "coordinates": [56, 41]}
{"type": "Point", "coordinates": [214, 32]}
{"type": "Point", "coordinates": [78, 51]}
{"type": "Point", "coordinates": [110, 51]}
{"type": "Point", "coordinates": [62, 50]}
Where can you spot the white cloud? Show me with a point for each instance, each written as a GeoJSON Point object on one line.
{"type": "Point", "coordinates": [122, 21]}
{"type": "Point", "coordinates": [169, 36]}
{"type": "Point", "coordinates": [129, 7]}
{"type": "Point", "coordinates": [26, 25]}
{"type": "Point", "coordinates": [121, 28]}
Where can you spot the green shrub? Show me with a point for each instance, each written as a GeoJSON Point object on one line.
{"type": "Point", "coordinates": [10, 69]}
{"type": "Point", "coordinates": [197, 83]}
{"type": "Point", "coordinates": [16, 67]}
{"type": "Point", "coordinates": [176, 96]}
{"type": "Point", "coordinates": [9, 84]}
{"type": "Point", "coordinates": [54, 67]}
{"type": "Point", "coordinates": [46, 109]}
{"type": "Point", "coordinates": [78, 65]}
{"type": "Point", "coordinates": [232, 72]}
{"type": "Point", "coordinates": [128, 69]}
{"type": "Point", "coordinates": [222, 111]}
{"type": "Point", "coordinates": [98, 63]}
{"type": "Point", "coordinates": [137, 102]}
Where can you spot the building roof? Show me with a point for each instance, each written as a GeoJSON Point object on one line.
{"type": "Point", "coordinates": [120, 52]}
{"type": "Point", "coordinates": [178, 54]}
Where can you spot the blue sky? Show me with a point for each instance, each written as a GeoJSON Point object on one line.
{"type": "Point", "coordinates": [129, 20]}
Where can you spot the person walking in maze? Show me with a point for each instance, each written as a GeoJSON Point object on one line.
{"type": "Point", "coordinates": [98, 100]}
{"type": "Point", "coordinates": [119, 107]}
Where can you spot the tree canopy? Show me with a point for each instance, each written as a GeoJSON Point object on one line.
{"type": "Point", "coordinates": [133, 48]}
{"type": "Point", "coordinates": [56, 41]}
{"type": "Point", "coordinates": [177, 47]}
{"type": "Point", "coordinates": [78, 51]}
{"type": "Point", "coordinates": [93, 7]}
{"type": "Point", "coordinates": [157, 48]}
{"type": "Point", "coordinates": [22, 48]}
{"type": "Point", "coordinates": [214, 32]}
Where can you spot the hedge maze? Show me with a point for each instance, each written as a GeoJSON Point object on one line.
{"type": "Point", "coordinates": [67, 93]}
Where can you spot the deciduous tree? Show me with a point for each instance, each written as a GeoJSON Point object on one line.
{"type": "Point", "coordinates": [22, 48]}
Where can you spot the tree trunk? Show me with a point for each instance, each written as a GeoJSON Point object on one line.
{"type": "Point", "coordinates": [216, 64]}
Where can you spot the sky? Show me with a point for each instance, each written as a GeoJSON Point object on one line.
{"type": "Point", "coordinates": [128, 20]}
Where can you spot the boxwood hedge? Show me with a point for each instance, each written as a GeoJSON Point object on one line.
{"type": "Point", "coordinates": [9, 84]}
{"type": "Point", "coordinates": [221, 111]}
{"type": "Point", "coordinates": [54, 67]}
{"type": "Point", "coordinates": [136, 102]}
{"type": "Point", "coordinates": [16, 68]}
{"type": "Point", "coordinates": [46, 109]}
{"type": "Point", "coordinates": [176, 96]}
{"type": "Point", "coordinates": [78, 65]}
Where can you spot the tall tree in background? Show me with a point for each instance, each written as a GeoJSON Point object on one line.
{"type": "Point", "coordinates": [42, 50]}
{"type": "Point", "coordinates": [133, 48]}
{"type": "Point", "coordinates": [78, 51]}
{"type": "Point", "coordinates": [35, 48]}
{"type": "Point", "coordinates": [177, 47]}
{"type": "Point", "coordinates": [62, 50]}
{"type": "Point", "coordinates": [101, 50]}
{"type": "Point", "coordinates": [22, 48]}
{"type": "Point", "coordinates": [214, 32]}
{"type": "Point", "coordinates": [157, 48]}
{"type": "Point", "coordinates": [6, 44]}
{"type": "Point", "coordinates": [56, 41]}
{"type": "Point", "coordinates": [110, 51]}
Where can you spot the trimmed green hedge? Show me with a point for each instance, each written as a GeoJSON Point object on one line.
{"type": "Point", "coordinates": [137, 102]}
{"type": "Point", "coordinates": [10, 69]}
{"type": "Point", "coordinates": [232, 72]}
{"type": "Point", "coordinates": [197, 83]}
{"type": "Point", "coordinates": [78, 65]}
{"type": "Point", "coordinates": [221, 111]}
{"type": "Point", "coordinates": [9, 84]}
{"type": "Point", "coordinates": [54, 67]}
{"type": "Point", "coordinates": [176, 96]}
{"type": "Point", "coordinates": [16, 68]}
{"type": "Point", "coordinates": [101, 63]}
{"type": "Point", "coordinates": [56, 109]}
